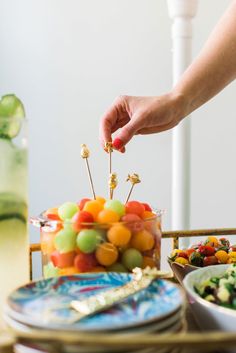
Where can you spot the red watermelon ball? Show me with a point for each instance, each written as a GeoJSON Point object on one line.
{"type": "Point", "coordinates": [134, 207]}
{"type": "Point", "coordinates": [62, 260]}
{"type": "Point", "coordinates": [147, 207]}
{"type": "Point", "coordinates": [133, 222]}
{"type": "Point", "coordinates": [82, 203]}
{"type": "Point", "coordinates": [85, 262]}
{"type": "Point", "coordinates": [79, 218]}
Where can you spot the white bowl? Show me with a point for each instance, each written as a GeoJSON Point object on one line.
{"type": "Point", "coordinates": [208, 315]}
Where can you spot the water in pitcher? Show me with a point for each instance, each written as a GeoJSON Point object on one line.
{"type": "Point", "coordinates": [14, 243]}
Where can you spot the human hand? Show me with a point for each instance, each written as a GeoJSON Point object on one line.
{"type": "Point", "coordinates": [140, 115]}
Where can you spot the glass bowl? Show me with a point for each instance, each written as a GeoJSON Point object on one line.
{"type": "Point", "coordinates": [98, 247]}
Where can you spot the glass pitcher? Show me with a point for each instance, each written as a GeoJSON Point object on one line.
{"type": "Point", "coordinates": [14, 241]}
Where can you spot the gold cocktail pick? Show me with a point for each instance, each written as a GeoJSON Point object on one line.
{"type": "Point", "coordinates": [109, 149]}
{"type": "Point", "coordinates": [112, 183]}
{"type": "Point", "coordinates": [85, 153]}
{"type": "Point", "coordinates": [112, 177]}
{"type": "Point", "coordinates": [134, 179]}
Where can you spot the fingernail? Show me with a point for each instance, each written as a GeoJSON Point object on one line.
{"type": "Point", "coordinates": [118, 143]}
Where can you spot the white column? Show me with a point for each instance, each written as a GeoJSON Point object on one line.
{"type": "Point", "coordinates": [181, 12]}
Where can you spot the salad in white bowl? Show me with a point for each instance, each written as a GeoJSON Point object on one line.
{"type": "Point", "coordinates": [212, 294]}
{"type": "Point", "coordinates": [220, 290]}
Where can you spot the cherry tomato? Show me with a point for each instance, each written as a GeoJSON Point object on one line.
{"type": "Point", "coordinates": [225, 242]}
{"type": "Point", "coordinates": [189, 251]}
{"type": "Point", "coordinates": [182, 254]}
{"type": "Point", "coordinates": [233, 247]}
{"type": "Point", "coordinates": [206, 250]}
{"type": "Point", "coordinates": [210, 260]}
{"type": "Point", "coordinates": [196, 259]}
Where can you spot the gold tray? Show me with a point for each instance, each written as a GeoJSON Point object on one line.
{"type": "Point", "coordinates": [185, 342]}
{"type": "Point", "coordinates": [192, 341]}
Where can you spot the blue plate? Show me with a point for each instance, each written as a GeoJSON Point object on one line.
{"type": "Point", "coordinates": [46, 303]}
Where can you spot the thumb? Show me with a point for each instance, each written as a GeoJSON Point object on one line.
{"type": "Point", "coordinates": [126, 133]}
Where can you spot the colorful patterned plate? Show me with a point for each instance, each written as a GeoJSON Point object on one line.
{"type": "Point", "coordinates": [154, 326]}
{"type": "Point", "coordinates": [16, 327]}
{"type": "Point", "coordinates": [45, 303]}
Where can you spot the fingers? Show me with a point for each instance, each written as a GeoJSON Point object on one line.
{"type": "Point", "coordinates": [132, 116]}
{"type": "Point", "coordinates": [127, 132]}
{"type": "Point", "coordinates": [155, 129]}
{"type": "Point", "coordinates": [105, 128]}
{"type": "Point", "coordinates": [122, 150]}
{"type": "Point", "coordinates": [119, 124]}
{"type": "Point", "coordinates": [113, 119]}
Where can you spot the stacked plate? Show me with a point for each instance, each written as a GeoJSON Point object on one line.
{"type": "Point", "coordinates": [44, 306]}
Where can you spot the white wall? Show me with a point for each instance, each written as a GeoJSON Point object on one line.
{"type": "Point", "coordinates": [68, 60]}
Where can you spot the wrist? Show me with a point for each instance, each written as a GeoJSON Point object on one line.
{"type": "Point", "coordinates": [180, 104]}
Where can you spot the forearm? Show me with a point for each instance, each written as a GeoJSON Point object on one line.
{"type": "Point", "coordinates": [214, 68]}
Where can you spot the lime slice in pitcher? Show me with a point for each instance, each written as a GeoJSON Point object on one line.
{"type": "Point", "coordinates": [11, 112]}
{"type": "Point", "coordinates": [12, 207]}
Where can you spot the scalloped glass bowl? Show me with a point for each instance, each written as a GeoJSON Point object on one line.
{"type": "Point", "coordinates": [56, 263]}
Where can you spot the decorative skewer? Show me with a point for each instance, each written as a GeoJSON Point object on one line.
{"type": "Point", "coordinates": [134, 179]}
{"type": "Point", "coordinates": [112, 183]}
{"type": "Point", "coordinates": [109, 149]}
{"type": "Point", "coordinates": [85, 153]}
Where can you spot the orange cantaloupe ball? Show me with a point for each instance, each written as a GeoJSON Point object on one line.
{"type": "Point", "coordinates": [106, 254]}
{"type": "Point", "coordinates": [119, 235]}
{"type": "Point", "coordinates": [142, 241]}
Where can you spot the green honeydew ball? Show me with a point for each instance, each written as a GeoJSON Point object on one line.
{"type": "Point", "coordinates": [67, 224]}
{"type": "Point", "coordinates": [50, 271]}
{"type": "Point", "coordinates": [65, 240]}
{"type": "Point", "coordinates": [67, 210]}
{"type": "Point", "coordinates": [116, 206]}
{"type": "Point", "coordinates": [87, 240]}
{"type": "Point", "coordinates": [117, 267]}
{"type": "Point", "coordinates": [132, 258]}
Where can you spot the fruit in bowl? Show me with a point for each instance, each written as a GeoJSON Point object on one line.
{"type": "Point", "coordinates": [212, 296]}
{"type": "Point", "coordinates": [212, 251]}
{"type": "Point", "coordinates": [99, 235]}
